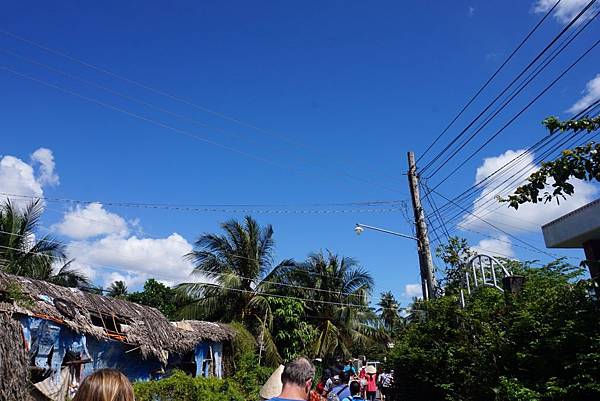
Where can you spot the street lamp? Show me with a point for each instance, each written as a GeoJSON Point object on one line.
{"type": "Point", "coordinates": [360, 228]}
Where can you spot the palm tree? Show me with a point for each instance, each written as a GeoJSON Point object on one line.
{"type": "Point", "coordinates": [21, 253]}
{"type": "Point", "coordinates": [388, 311]}
{"type": "Point", "coordinates": [337, 289]}
{"type": "Point", "coordinates": [118, 289]}
{"type": "Point", "coordinates": [237, 270]}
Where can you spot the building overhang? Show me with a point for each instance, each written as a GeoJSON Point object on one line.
{"type": "Point", "coordinates": [575, 228]}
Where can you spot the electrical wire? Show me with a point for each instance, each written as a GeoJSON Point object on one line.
{"type": "Point", "coordinates": [237, 289]}
{"type": "Point", "coordinates": [554, 40]}
{"type": "Point", "coordinates": [521, 175]}
{"type": "Point", "coordinates": [282, 138]}
{"type": "Point", "coordinates": [472, 154]}
{"type": "Point", "coordinates": [223, 210]}
{"type": "Point", "coordinates": [534, 248]}
{"type": "Point", "coordinates": [497, 174]}
{"type": "Point", "coordinates": [160, 124]}
{"type": "Point", "coordinates": [515, 92]}
{"type": "Point", "coordinates": [490, 79]}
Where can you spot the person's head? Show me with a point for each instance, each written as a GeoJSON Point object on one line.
{"type": "Point", "coordinates": [105, 385]}
{"type": "Point", "coordinates": [354, 387]}
{"type": "Point", "coordinates": [349, 362]}
{"type": "Point", "coordinates": [299, 373]}
{"type": "Point", "coordinates": [344, 376]}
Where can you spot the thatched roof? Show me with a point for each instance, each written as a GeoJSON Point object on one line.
{"type": "Point", "coordinates": [196, 331]}
{"type": "Point", "coordinates": [107, 318]}
{"type": "Point", "coordinates": [13, 362]}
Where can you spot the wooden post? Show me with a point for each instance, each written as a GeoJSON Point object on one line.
{"type": "Point", "coordinates": [425, 260]}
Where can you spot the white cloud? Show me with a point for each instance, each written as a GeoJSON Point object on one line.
{"type": "Point", "coordinates": [45, 158]}
{"type": "Point", "coordinates": [130, 280]}
{"type": "Point", "coordinates": [412, 290]}
{"type": "Point", "coordinates": [91, 221]}
{"type": "Point", "coordinates": [591, 93]}
{"type": "Point", "coordinates": [566, 10]}
{"type": "Point", "coordinates": [134, 259]}
{"type": "Point", "coordinates": [21, 178]}
{"type": "Point", "coordinates": [17, 177]}
{"type": "Point", "coordinates": [529, 216]}
{"type": "Point", "coordinates": [500, 246]}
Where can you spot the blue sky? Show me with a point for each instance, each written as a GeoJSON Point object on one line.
{"type": "Point", "coordinates": [340, 91]}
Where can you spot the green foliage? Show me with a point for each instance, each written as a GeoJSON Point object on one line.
{"type": "Point", "coordinates": [158, 296]}
{"type": "Point", "coordinates": [541, 344]}
{"type": "Point", "coordinates": [342, 316]}
{"type": "Point", "coordinates": [389, 313]}
{"type": "Point", "coordinates": [244, 342]}
{"type": "Point", "coordinates": [292, 334]}
{"type": "Point", "coordinates": [118, 289]}
{"type": "Point", "coordinates": [181, 387]}
{"type": "Point", "coordinates": [241, 262]}
{"type": "Point", "coordinates": [587, 124]}
{"type": "Point", "coordinates": [455, 254]}
{"type": "Point", "coordinates": [25, 255]}
{"type": "Point", "coordinates": [15, 293]}
{"type": "Point", "coordinates": [582, 162]}
{"type": "Point", "coordinates": [250, 376]}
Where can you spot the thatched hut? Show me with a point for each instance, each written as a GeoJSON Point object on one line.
{"type": "Point", "coordinates": [66, 328]}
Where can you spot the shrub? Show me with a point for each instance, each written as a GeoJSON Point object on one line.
{"type": "Point", "coordinates": [249, 376]}
{"type": "Point", "coordinates": [181, 387]}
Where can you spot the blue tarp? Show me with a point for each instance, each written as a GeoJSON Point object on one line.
{"type": "Point", "coordinates": [202, 352]}
{"type": "Point", "coordinates": [112, 354]}
{"type": "Point", "coordinates": [45, 338]}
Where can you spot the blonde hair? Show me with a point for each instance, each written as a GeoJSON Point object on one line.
{"type": "Point", "coordinates": [105, 385]}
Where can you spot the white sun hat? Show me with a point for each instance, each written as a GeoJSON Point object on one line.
{"type": "Point", "coordinates": [272, 387]}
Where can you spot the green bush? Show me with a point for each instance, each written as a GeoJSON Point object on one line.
{"type": "Point", "coordinates": [249, 376]}
{"type": "Point", "coordinates": [540, 345]}
{"type": "Point", "coordinates": [181, 387]}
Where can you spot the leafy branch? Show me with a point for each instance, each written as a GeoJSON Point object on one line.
{"type": "Point", "coordinates": [582, 162]}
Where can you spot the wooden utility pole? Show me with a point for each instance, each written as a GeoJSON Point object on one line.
{"type": "Point", "coordinates": [261, 338]}
{"type": "Point", "coordinates": [425, 261]}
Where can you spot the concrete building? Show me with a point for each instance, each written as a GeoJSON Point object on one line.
{"type": "Point", "coordinates": [578, 229]}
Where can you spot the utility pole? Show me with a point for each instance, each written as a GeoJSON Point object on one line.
{"type": "Point", "coordinates": [425, 261]}
{"type": "Point", "coordinates": [261, 338]}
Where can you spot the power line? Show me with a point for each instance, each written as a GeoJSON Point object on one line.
{"type": "Point", "coordinates": [554, 40]}
{"type": "Point", "coordinates": [235, 289]}
{"type": "Point", "coordinates": [496, 227]}
{"type": "Point", "coordinates": [283, 138]}
{"type": "Point", "coordinates": [515, 92]}
{"type": "Point", "coordinates": [506, 187]}
{"type": "Point", "coordinates": [167, 126]}
{"type": "Point", "coordinates": [490, 79]}
{"type": "Point", "coordinates": [470, 192]}
{"type": "Point", "coordinates": [472, 154]}
{"type": "Point", "coordinates": [229, 210]}
{"type": "Point", "coordinates": [208, 273]}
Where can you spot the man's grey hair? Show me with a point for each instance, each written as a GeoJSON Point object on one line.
{"type": "Point", "coordinates": [297, 372]}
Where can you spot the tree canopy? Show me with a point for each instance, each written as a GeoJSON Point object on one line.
{"type": "Point", "coordinates": [24, 253]}
{"type": "Point", "coordinates": [540, 344]}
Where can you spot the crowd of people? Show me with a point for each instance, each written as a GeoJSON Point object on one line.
{"type": "Point", "coordinates": [343, 383]}
{"type": "Point", "coordinates": [296, 380]}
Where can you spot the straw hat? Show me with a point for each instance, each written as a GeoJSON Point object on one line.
{"type": "Point", "coordinates": [370, 370]}
{"type": "Point", "coordinates": [272, 387]}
